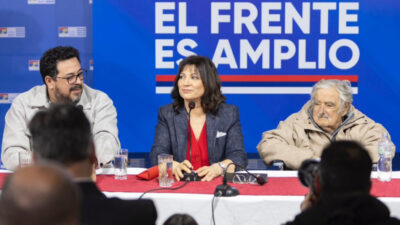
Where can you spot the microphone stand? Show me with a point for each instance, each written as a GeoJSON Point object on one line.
{"type": "Point", "coordinates": [192, 105]}
{"type": "Point", "coordinates": [190, 176]}
{"type": "Point", "coordinates": [225, 189]}
{"type": "Point", "coordinates": [260, 180]}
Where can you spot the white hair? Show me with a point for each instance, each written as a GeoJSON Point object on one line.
{"type": "Point", "coordinates": [343, 87]}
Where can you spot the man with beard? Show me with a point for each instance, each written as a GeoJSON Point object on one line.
{"type": "Point", "coordinates": [327, 117]}
{"type": "Point", "coordinates": [63, 79]}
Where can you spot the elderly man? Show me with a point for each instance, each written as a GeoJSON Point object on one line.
{"type": "Point", "coordinates": [63, 77]}
{"type": "Point", "coordinates": [42, 194]}
{"type": "Point", "coordinates": [327, 117]}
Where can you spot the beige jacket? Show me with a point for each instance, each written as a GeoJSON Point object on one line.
{"type": "Point", "coordinates": [298, 138]}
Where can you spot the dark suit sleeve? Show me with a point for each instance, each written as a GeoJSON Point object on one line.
{"type": "Point", "coordinates": [162, 140]}
{"type": "Point", "coordinates": [118, 211]}
{"type": "Point", "coordinates": [234, 145]}
{"type": "Point", "coordinates": [143, 212]}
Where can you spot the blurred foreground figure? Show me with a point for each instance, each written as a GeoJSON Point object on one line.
{"type": "Point", "coordinates": [63, 134]}
{"type": "Point", "coordinates": [39, 195]}
{"type": "Point", "coordinates": [180, 219]}
{"type": "Point", "coordinates": [340, 190]}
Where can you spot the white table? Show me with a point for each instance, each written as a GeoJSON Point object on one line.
{"type": "Point", "coordinates": [242, 209]}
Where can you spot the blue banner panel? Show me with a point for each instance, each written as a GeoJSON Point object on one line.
{"type": "Point", "coordinates": [30, 27]}
{"type": "Point", "coordinates": [269, 54]}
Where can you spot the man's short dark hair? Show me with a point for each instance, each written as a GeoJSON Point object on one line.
{"type": "Point", "coordinates": [39, 195]}
{"type": "Point", "coordinates": [345, 167]}
{"type": "Point", "coordinates": [49, 60]}
{"type": "Point", "coordinates": [61, 133]}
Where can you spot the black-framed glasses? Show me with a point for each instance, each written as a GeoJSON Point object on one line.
{"type": "Point", "coordinates": [72, 79]}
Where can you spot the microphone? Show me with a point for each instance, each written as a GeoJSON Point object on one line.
{"type": "Point", "coordinates": [224, 189]}
{"type": "Point", "coordinates": [260, 180]}
{"type": "Point", "coordinates": [192, 105]}
{"type": "Point", "coordinates": [190, 176]}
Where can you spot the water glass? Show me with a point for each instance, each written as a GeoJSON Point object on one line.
{"type": "Point", "coordinates": [120, 164]}
{"type": "Point", "coordinates": [385, 168]}
{"type": "Point", "coordinates": [24, 158]}
{"type": "Point", "coordinates": [385, 151]}
{"type": "Point", "coordinates": [165, 177]}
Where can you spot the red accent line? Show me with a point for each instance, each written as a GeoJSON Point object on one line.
{"type": "Point", "coordinates": [165, 78]}
{"type": "Point", "coordinates": [270, 78]}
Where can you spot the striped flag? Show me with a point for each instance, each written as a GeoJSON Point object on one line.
{"type": "Point", "coordinates": [262, 84]}
{"type": "Point", "coordinates": [72, 32]}
{"type": "Point", "coordinates": [12, 32]}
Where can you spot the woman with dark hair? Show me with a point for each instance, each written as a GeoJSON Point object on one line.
{"type": "Point", "coordinates": [214, 138]}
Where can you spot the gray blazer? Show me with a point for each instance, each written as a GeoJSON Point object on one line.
{"type": "Point", "coordinates": [224, 135]}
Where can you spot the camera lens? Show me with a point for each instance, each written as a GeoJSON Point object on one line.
{"type": "Point", "coordinates": [307, 172]}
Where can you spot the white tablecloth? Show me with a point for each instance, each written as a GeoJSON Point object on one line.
{"type": "Point", "coordinates": [242, 209]}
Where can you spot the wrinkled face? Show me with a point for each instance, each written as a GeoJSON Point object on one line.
{"type": "Point", "coordinates": [190, 84]}
{"type": "Point", "coordinates": [59, 89]}
{"type": "Point", "coordinates": [326, 109]}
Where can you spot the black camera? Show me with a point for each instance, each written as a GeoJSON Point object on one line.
{"type": "Point", "coordinates": [307, 171]}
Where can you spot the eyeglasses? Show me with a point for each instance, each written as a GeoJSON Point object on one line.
{"type": "Point", "coordinates": [244, 178]}
{"type": "Point", "coordinates": [72, 79]}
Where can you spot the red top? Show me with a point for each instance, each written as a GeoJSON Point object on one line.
{"type": "Point", "coordinates": [199, 149]}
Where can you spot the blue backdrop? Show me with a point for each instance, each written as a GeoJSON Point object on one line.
{"type": "Point", "coordinates": [136, 43]}
{"type": "Point", "coordinates": [27, 29]}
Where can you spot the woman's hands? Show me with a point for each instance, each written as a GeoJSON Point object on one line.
{"type": "Point", "coordinates": [208, 173]}
{"type": "Point", "coordinates": [178, 168]}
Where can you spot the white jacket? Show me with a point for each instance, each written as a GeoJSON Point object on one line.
{"type": "Point", "coordinates": [97, 106]}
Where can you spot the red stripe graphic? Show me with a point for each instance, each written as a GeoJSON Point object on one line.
{"type": "Point", "coordinates": [270, 78]}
